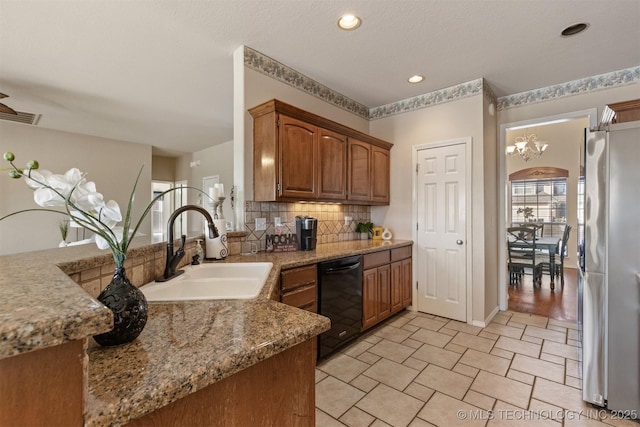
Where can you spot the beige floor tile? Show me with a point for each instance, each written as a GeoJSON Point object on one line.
{"type": "Point", "coordinates": [472, 341]}
{"type": "Point", "coordinates": [410, 328]}
{"type": "Point", "coordinates": [562, 350]}
{"type": "Point", "coordinates": [380, 423]}
{"type": "Point", "coordinates": [534, 340]}
{"type": "Point", "coordinates": [572, 334]}
{"type": "Point", "coordinates": [355, 417]}
{"type": "Point", "coordinates": [547, 410]}
{"type": "Point", "coordinates": [521, 376]}
{"type": "Point", "coordinates": [576, 420]}
{"type": "Point", "coordinates": [447, 331]}
{"type": "Point", "coordinates": [419, 391]}
{"type": "Point", "coordinates": [369, 358]}
{"type": "Point", "coordinates": [558, 394]}
{"type": "Point", "coordinates": [463, 327]}
{"type": "Point", "coordinates": [574, 343]}
{"type": "Point", "coordinates": [500, 319]}
{"type": "Point", "coordinates": [546, 334]}
{"type": "Point", "coordinates": [411, 343]}
{"type": "Point", "coordinates": [400, 321]}
{"type": "Point", "coordinates": [508, 331]}
{"type": "Point", "coordinates": [573, 382]}
{"type": "Point", "coordinates": [557, 328]}
{"type": "Point", "coordinates": [539, 368]}
{"type": "Point", "coordinates": [436, 355]}
{"type": "Point", "coordinates": [608, 418]}
{"type": "Point", "coordinates": [480, 400]}
{"type": "Point", "coordinates": [490, 335]}
{"type": "Point", "coordinates": [573, 368]}
{"type": "Point", "coordinates": [505, 389]}
{"type": "Point", "coordinates": [505, 415]}
{"type": "Point", "coordinates": [568, 325]}
{"type": "Point", "coordinates": [392, 333]}
{"type": "Point", "coordinates": [530, 319]}
{"type": "Point", "coordinates": [320, 375]}
{"type": "Point", "coordinates": [444, 381]}
{"type": "Point", "coordinates": [426, 323]}
{"type": "Point", "coordinates": [392, 351]}
{"type": "Point", "coordinates": [455, 347]}
{"type": "Point", "coordinates": [551, 358]}
{"type": "Point", "coordinates": [485, 361]}
{"type": "Point", "coordinates": [335, 397]}
{"type": "Point", "coordinates": [372, 339]}
{"type": "Point", "coordinates": [442, 410]}
{"type": "Point", "coordinates": [502, 353]}
{"type": "Point", "coordinates": [357, 348]}
{"type": "Point", "coordinates": [466, 370]}
{"type": "Point", "coordinates": [391, 406]}
{"type": "Point", "coordinates": [431, 337]}
{"type": "Point", "coordinates": [391, 373]}
{"type": "Point", "coordinates": [365, 384]}
{"type": "Point", "coordinates": [325, 420]}
{"type": "Point", "coordinates": [343, 367]}
{"type": "Point", "coordinates": [417, 422]}
{"type": "Point", "coordinates": [414, 363]}
{"type": "Point", "coordinates": [518, 346]}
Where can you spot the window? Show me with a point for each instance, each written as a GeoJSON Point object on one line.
{"type": "Point", "coordinates": [540, 200]}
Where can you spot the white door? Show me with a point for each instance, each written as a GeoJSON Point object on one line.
{"type": "Point", "coordinates": [441, 211]}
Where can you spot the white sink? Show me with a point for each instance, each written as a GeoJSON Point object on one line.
{"type": "Point", "coordinates": [209, 281]}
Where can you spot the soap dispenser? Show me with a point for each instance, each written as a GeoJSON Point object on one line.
{"type": "Point", "coordinates": [199, 250]}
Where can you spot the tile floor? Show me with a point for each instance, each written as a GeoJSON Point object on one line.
{"type": "Point", "coordinates": [422, 370]}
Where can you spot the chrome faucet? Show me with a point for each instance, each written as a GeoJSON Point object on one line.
{"type": "Point", "coordinates": [174, 259]}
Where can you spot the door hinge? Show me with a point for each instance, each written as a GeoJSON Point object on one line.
{"type": "Point", "coordinates": [278, 186]}
{"type": "Point", "coordinates": [416, 285]}
{"type": "Point", "coordinates": [278, 123]}
{"type": "Point", "coordinates": [417, 223]}
{"type": "Point", "coordinates": [417, 167]}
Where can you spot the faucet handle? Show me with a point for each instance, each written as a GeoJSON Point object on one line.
{"type": "Point", "coordinates": [184, 240]}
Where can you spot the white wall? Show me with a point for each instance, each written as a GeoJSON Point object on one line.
{"type": "Point", "coordinates": [452, 120]}
{"type": "Point", "coordinates": [113, 165]}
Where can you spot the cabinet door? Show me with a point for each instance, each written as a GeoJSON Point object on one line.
{"type": "Point", "coordinates": [298, 158]}
{"type": "Point", "coordinates": [380, 165]}
{"type": "Point", "coordinates": [359, 170]}
{"type": "Point", "coordinates": [384, 292]}
{"type": "Point", "coordinates": [332, 165]}
{"type": "Point", "coordinates": [407, 280]}
{"type": "Point", "coordinates": [396, 286]}
{"type": "Point", "coordinates": [369, 297]}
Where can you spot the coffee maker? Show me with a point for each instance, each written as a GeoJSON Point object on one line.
{"type": "Point", "coordinates": [306, 232]}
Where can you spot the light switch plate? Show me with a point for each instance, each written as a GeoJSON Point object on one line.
{"type": "Point", "coordinates": [261, 224]}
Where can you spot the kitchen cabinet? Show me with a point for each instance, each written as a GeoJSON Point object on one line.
{"type": "Point", "coordinates": [299, 156]}
{"type": "Point", "coordinates": [298, 287]}
{"type": "Point", "coordinates": [386, 284]}
{"type": "Point", "coordinates": [368, 172]}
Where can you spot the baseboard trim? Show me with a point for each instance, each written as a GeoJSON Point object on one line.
{"type": "Point", "coordinates": [487, 320]}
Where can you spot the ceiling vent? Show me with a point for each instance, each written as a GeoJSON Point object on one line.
{"type": "Point", "coordinates": [21, 117]}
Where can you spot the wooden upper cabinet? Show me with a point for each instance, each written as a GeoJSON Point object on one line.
{"type": "Point", "coordinates": [298, 148]}
{"type": "Point", "coordinates": [332, 165]}
{"type": "Point", "coordinates": [298, 156]}
{"type": "Point", "coordinates": [359, 170]}
{"type": "Point", "coordinates": [368, 172]}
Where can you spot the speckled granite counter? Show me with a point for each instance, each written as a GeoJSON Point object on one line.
{"type": "Point", "coordinates": [184, 346]}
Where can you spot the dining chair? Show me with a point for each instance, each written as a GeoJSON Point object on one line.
{"type": "Point", "coordinates": [521, 246]}
{"type": "Point", "coordinates": [561, 254]}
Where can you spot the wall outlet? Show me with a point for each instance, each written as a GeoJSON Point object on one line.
{"type": "Point", "coordinates": [261, 224]}
{"type": "Point", "coordinates": [276, 221]}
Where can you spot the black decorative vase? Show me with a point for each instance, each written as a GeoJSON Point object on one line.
{"type": "Point", "coordinates": [129, 308]}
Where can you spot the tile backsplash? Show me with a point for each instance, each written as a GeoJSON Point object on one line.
{"type": "Point", "coordinates": [331, 223]}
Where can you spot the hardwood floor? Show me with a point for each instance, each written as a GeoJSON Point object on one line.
{"type": "Point", "coordinates": [559, 304]}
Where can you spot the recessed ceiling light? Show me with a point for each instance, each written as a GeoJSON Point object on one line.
{"type": "Point", "coordinates": [415, 79]}
{"type": "Point", "coordinates": [574, 29]}
{"type": "Point", "coordinates": [349, 22]}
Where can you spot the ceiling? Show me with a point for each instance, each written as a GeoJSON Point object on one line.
{"type": "Point", "coordinates": [160, 72]}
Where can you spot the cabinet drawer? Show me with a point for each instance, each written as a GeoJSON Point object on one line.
{"type": "Point", "coordinates": [297, 277]}
{"type": "Point", "coordinates": [400, 253]}
{"type": "Point", "coordinates": [375, 259]}
{"type": "Point", "coordinates": [301, 297]}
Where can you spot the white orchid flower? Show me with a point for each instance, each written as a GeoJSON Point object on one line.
{"type": "Point", "coordinates": [102, 243]}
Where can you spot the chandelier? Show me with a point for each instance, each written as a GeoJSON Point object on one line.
{"type": "Point", "coordinates": [527, 146]}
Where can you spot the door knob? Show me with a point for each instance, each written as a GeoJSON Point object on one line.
{"type": "Point", "coordinates": [459, 242]}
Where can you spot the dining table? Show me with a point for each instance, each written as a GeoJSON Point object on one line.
{"type": "Point", "coordinates": [551, 244]}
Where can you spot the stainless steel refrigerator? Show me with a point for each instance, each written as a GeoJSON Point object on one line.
{"type": "Point", "coordinates": [609, 266]}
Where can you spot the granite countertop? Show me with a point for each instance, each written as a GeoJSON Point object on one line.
{"type": "Point", "coordinates": [184, 347]}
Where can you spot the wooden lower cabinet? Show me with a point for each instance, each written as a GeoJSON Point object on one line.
{"type": "Point", "coordinates": [386, 284]}
{"type": "Point", "coordinates": [279, 391]}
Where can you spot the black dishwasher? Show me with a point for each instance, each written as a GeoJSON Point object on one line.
{"type": "Point", "coordinates": [340, 299]}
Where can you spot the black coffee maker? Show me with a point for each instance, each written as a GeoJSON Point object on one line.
{"type": "Point", "coordinates": [306, 232]}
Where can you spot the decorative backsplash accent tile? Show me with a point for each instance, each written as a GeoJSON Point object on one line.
{"type": "Point", "coordinates": [453, 93]}
{"type": "Point", "coordinates": [277, 70]}
{"type": "Point", "coordinates": [576, 87]}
